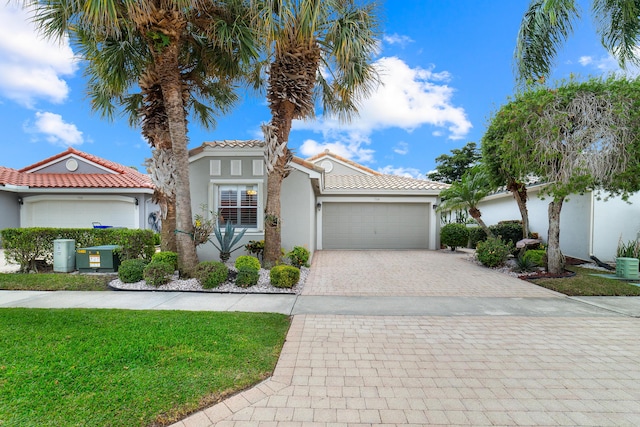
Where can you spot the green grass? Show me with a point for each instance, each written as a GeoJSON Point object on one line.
{"type": "Point", "coordinates": [54, 282]}
{"type": "Point", "coordinates": [584, 283]}
{"type": "Point", "coordinates": [78, 367]}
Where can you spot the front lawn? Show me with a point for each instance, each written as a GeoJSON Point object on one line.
{"type": "Point", "coordinates": [587, 282]}
{"type": "Point", "coordinates": [79, 367]}
{"type": "Point", "coordinates": [54, 282]}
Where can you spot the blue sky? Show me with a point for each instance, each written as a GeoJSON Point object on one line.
{"type": "Point", "coordinates": [446, 67]}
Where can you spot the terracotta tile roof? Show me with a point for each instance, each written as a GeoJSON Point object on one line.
{"type": "Point", "coordinates": [327, 153]}
{"type": "Point", "coordinates": [307, 164]}
{"type": "Point", "coordinates": [379, 182]}
{"type": "Point", "coordinates": [123, 177]}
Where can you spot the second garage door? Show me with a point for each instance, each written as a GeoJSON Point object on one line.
{"type": "Point", "coordinates": [63, 212]}
{"type": "Point", "coordinates": [375, 225]}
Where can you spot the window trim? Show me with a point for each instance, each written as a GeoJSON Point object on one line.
{"type": "Point", "coordinates": [214, 197]}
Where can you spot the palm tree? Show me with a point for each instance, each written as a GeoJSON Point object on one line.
{"type": "Point", "coordinates": [467, 194]}
{"type": "Point", "coordinates": [114, 68]}
{"type": "Point", "coordinates": [164, 26]}
{"type": "Point", "coordinates": [548, 23]}
{"type": "Point", "coordinates": [303, 36]}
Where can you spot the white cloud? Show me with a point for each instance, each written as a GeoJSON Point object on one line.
{"type": "Point", "coordinates": [31, 67]}
{"type": "Point", "coordinates": [407, 99]}
{"type": "Point", "coordinates": [406, 172]}
{"type": "Point", "coordinates": [401, 148]}
{"type": "Point", "coordinates": [55, 130]}
{"type": "Point", "coordinates": [585, 60]}
{"type": "Point", "coordinates": [397, 39]}
{"type": "Point", "coordinates": [353, 149]}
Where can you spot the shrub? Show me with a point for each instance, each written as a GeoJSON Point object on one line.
{"type": "Point", "coordinates": [166, 256]}
{"type": "Point", "coordinates": [131, 270]}
{"type": "Point", "coordinates": [26, 245]}
{"type": "Point", "coordinates": [536, 256]}
{"type": "Point", "coordinates": [299, 256]}
{"type": "Point", "coordinates": [247, 277]}
{"type": "Point", "coordinates": [211, 274]}
{"type": "Point", "coordinates": [158, 273]}
{"type": "Point", "coordinates": [493, 251]}
{"type": "Point", "coordinates": [476, 234]}
{"type": "Point", "coordinates": [246, 261]}
{"type": "Point", "coordinates": [510, 231]}
{"type": "Point", "coordinates": [284, 276]}
{"type": "Point", "coordinates": [454, 235]}
{"type": "Point", "coordinates": [630, 249]}
{"type": "Point", "coordinates": [524, 264]}
{"type": "Point", "coordinates": [255, 247]}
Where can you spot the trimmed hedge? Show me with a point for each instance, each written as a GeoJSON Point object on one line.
{"type": "Point", "coordinates": [131, 270]}
{"type": "Point", "coordinates": [26, 245]}
{"type": "Point", "coordinates": [211, 274]}
{"type": "Point", "coordinates": [158, 273]}
{"type": "Point", "coordinates": [454, 235]}
{"type": "Point", "coordinates": [166, 256]}
{"type": "Point", "coordinates": [246, 261]}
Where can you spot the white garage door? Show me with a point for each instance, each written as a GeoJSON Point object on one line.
{"type": "Point", "coordinates": [375, 225]}
{"type": "Point", "coordinates": [74, 213]}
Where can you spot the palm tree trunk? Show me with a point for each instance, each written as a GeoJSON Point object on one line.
{"type": "Point", "coordinates": [170, 82]}
{"type": "Point", "coordinates": [475, 214]}
{"type": "Point", "coordinates": [273, 222]}
{"type": "Point", "coordinates": [555, 259]}
{"type": "Point", "coordinates": [168, 231]}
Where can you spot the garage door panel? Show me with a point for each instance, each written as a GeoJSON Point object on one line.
{"type": "Point", "coordinates": [375, 225]}
{"type": "Point", "coordinates": [79, 213]}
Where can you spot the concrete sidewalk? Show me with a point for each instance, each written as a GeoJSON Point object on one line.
{"type": "Point", "coordinates": [328, 304]}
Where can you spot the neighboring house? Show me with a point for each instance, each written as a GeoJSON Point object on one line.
{"type": "Point", "coordinates": [589, 225]}
{"type": "Point", "coordinates": [327, 201]}
{"type": "Point", "coordinates": [77, 190]}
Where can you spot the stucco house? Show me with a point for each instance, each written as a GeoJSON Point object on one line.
{"type": "Point", "coordinates": [75, 189]}
{"type": "Point", "coordinates": [327, 202]}
{"type": "Point", "coordinates": [589, 224]}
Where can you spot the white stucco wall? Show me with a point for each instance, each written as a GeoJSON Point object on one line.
{"type": "Point", "coordinates": [298, 207]}
{"type": "Point", "coordinates": [614, 219]}
{"type": "Point", "coordinates": [574, 219]}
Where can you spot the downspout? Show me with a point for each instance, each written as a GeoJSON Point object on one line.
{"type": "Point", "coordinates": [591, 224]}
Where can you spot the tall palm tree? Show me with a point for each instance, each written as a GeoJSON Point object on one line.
{"type": "Point", "coordinates": [323, 46]}
{"type": "Point", "coordinates": [467, 194]}
{"type": "Point", "coordinates": [548, 23]}
{"type": "Point", "coordinates": [118, 67]}
{"type": "Point", "coordinates": [164, 26]}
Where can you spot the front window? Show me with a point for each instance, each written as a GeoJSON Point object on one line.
{"type": "Point", "coordinates": [238, 204]}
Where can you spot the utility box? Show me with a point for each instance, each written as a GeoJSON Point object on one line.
{"type": "Point", "coordinates": [64, 259]}
{"type": "Point", "coordinates": [97, 259]}
{"type": "Point", "coordinates": [627, 268]}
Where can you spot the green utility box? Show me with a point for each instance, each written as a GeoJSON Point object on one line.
{"type": "Point", "coordinates": [97, 259]}
{"type": "Point", "coordinates": [627, 268]}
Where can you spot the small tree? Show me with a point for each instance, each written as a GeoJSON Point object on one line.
{"type": "Point", "coordinates": [466, 194]}
{"type": "Point", "coordinates": [450, 168]}
{"type": "Point", "coordinates": [577, 137]}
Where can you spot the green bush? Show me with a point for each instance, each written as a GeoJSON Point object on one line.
{"type": "Point", "coordinates": [247, 277]}
{"type": "Point", "coordinates": [493, 252]}
{"type": "Point", "coordinates": [158, 273]}
{"type": "Point", "coordinates": [284, 276]}
{"type": "Point", "coordinates": [166, 256]}
{"type": "Point", "coordinates": [211, 274]}
{"type": "Point", "coordinates": [476, 234]}
{"type": "Point", "coordinates": [131, 270]}
{"type": "Point", "coordinates": [255, 247]}
{"type": "Point", "coordinates": [246, 261]}
{"type": "Point", "coordinates": [26, 245]}
{"type": "Point", "coordinates": [510, 231]}
{"type": "Point", "coordinates": [454, 235]}
{"type": "Point", "coordinates": [537, 256]}
{"type": "Point", "coordinates": [299, 256]}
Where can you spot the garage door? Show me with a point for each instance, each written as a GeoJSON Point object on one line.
{"type": "Point", "coordinates": [78, 213]}
{"type": "Point", "coordinates": [375, 225]}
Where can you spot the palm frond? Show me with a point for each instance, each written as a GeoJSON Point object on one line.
{"type": "Point", "coordinates": [544, 28]}
{"type": "Point", "coordinates": [618, 23]}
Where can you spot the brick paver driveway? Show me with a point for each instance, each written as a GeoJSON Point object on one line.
{"type": "Point", "coordinates": [338, 370]}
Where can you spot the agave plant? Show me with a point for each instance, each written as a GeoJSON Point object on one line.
{"type": "Point", "coordinates": [229, 241]}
